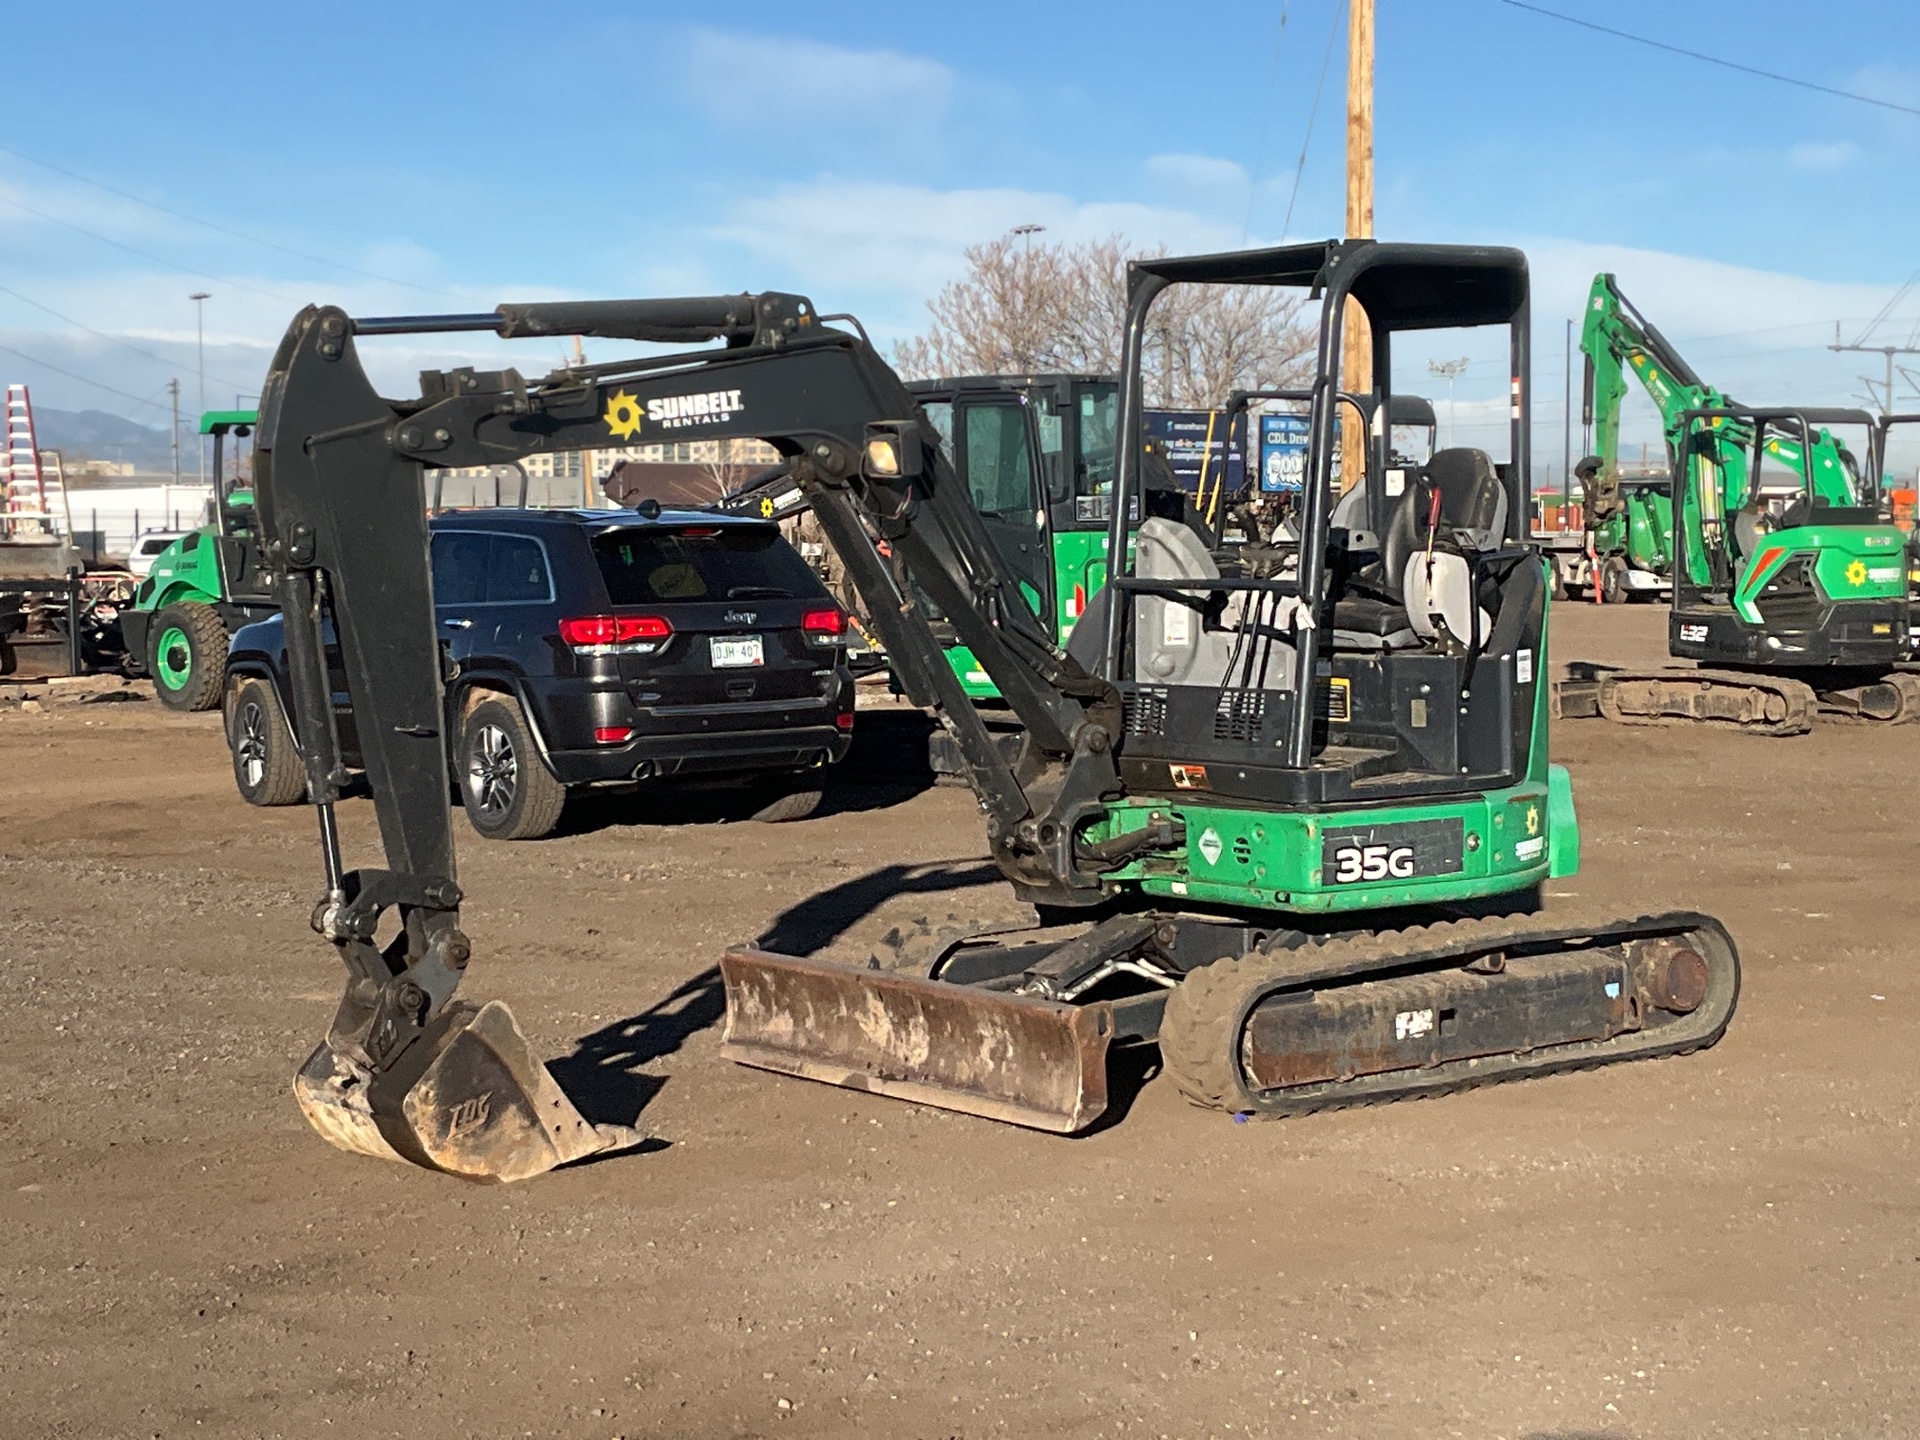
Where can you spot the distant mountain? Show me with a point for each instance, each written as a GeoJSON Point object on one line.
{"type": "Point", "coordinates": [96, 435]}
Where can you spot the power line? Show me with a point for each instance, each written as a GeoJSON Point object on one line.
{"type": "Point", "coordinates": [145, 255]}
{"type": "Point", "coordinates": [217, 227]}
{"type": "Point", "coordinates": [1273, 75]}
{"type": "Point", "coordinates": [1313, 114]}
{"type": "Point", "coordinates": [1887, 309]}
{"type": "Point", "coordinates": [84, 380]}
{"type": "Point", "coordinates": [1712, 59]}
{"type": "Point", "coordinates": [103, 335]}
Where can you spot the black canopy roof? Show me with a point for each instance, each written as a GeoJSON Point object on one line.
{"type": "Point", "coordinates": [1402, 287]}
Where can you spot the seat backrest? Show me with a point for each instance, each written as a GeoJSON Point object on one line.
{"type": "Point", "coordinates": [1439, 591]}
{"type": "Point", "coordinates": [1171, 646]}
{"type": "Point", "coordinates": [1350, 510]}
{"type": "Point", "coordinates": [1750, 526]}
{"type": "Point", "coordinates": [1471, 495]}
{"type": "Point", "coordinates": [1406, 533]}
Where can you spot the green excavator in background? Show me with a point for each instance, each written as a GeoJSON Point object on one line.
{"type": "Point", "coordinates": [1037, 455]}
{"type": "Point", "coordinates": [1789, 582]}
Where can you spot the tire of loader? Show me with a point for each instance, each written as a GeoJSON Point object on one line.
{"type": "Point", "coordinates": [1203, 1031]}
{"type": "Point", "coordinates": [1613, 581]}
{"type": "Point", "coordinates": [9, 660]}
{"type": "Point", "coordinates": [187, 656]}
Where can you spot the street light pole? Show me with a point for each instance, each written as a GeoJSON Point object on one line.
{"type": "Point", "coordinates": [1566, 434]}
{"type": "Point", "coordinates": [199, 298]}
{"type": "Point", "coordinates": [1450, 370]}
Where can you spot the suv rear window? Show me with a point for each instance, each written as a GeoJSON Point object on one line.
{"type": "Point", "coordinates": [701, 562]}
{"type": "Point", "coordinates": [481, 568]}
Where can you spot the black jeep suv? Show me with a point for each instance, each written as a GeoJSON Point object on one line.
{"type": "Point", "coordinates": [597, 648]}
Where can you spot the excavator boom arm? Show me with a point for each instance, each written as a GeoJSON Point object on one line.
{"type": "Point", "coordinates": [339, 479]}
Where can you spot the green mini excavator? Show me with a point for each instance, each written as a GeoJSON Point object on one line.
{"type": "Point", "coordinates": [1789, 581]}
{"type": "Point", "coordinates": [1283, 811]}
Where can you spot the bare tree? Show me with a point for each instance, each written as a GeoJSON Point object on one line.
{"type": "Point", "coordinates": [727, 476]}
{"type": "Point", "coordinates": [1063, 307]}
{"type": "Point", "coordinates": [730, 468]}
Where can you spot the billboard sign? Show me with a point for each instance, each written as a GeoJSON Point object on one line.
{"type": "Point", "coordinates": [1183, 435]}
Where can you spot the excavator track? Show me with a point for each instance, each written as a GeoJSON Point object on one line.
{"type": "Point", "coordinates": [1751, 703]}
{"type": "Point", "coordinates": [1892, 700]}
{"type": "Point", "coordinates": [1439, 1008]}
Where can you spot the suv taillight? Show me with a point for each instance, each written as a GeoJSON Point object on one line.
{"type": "Point", "coordinates": [615, 634]}
{"type": "Point", "coordinates": [824, 627]}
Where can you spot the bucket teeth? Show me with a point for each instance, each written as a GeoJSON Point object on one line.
{"type": "Point", "coordinates": [476, 1103]}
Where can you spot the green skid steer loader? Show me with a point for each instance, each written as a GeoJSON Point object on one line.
{"type": "Point", "coordinates": [203, 587]}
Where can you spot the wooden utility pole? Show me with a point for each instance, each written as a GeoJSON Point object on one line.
{"type": "Point", "coordinates": [1356, 368]}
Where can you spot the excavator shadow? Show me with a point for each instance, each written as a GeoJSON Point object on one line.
{"type": "Point", "coordinates": [602, 1076]}
{"type": "Point", "coordinates": [885, 766]}
{"type": "Point", "coordinates": [817, 921]}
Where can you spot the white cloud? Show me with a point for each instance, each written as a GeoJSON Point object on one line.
{"type": "Point", "coordinates": [1197, 172]}
{"type": "Point", "coordinates": [1823, 154]}
{"type": "Point", "coordinates": [738, 77]}
{"type": "Point", "coordinates": [1686, 294]}
{"type": "Point", "coordinates": [876, 248]}
{"type": "Point", "coordinates": [883, 249]}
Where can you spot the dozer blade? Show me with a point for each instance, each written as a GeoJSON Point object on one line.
{"type": "Point", "coordinates": [468, 1098]}
{"type": "Point", "coordinates": [1006, 1057]}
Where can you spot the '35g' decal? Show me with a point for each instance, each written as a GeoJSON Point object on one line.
{"type": "Point", "coordinates": [1405, 850]}
{"type": "Point", "coordinates": [1372, 862]}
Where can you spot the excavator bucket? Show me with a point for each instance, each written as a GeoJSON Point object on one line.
{"type": "Point", "coordinates": [1007, 1057]}
{"type": "Point", "coordinates": [468, 1098]}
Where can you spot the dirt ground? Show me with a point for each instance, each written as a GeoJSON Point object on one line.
{"type": "Point", "coordinates": [1723, 1244]}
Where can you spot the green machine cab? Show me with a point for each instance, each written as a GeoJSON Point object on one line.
{"type": "Point", "coordinates": [203, 586]}
{"type": "Point", "coordinates": [1037, 454]}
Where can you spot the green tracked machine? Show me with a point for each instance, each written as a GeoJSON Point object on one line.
{"type": "Point", "coordinates": [1284, 812]}
{"type": "Point", "coordinates": [1789, 580]}
{"type": "Point", "coordinates": [203, 587]}
{"type": "Point", "coordinates": [1037, 455]}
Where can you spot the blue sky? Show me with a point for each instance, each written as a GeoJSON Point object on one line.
{"type": "Point", "coordinates": [489, 152]}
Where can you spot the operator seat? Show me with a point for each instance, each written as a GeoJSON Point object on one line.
{"type": "Point", "coordinates": [1473, 517]}
{"type": "Point", "coordinates": [1751, 526]}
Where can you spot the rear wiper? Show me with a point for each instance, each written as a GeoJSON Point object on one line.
{"type": "Point", "coordinates": [758, 592]}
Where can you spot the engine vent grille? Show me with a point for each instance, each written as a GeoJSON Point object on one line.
{"type": "Point", "coordinates": [1239, 714]}
{"type": "Point", "coordinates": [1144, 713]}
